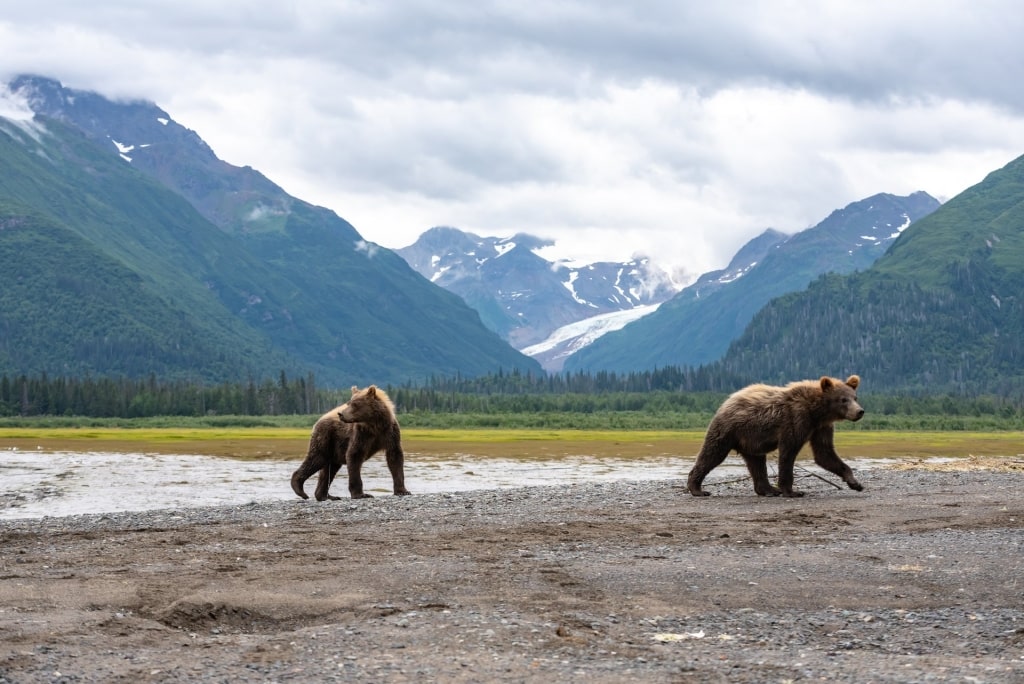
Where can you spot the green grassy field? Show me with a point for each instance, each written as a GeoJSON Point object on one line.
{"type": "Point", "coordinates": [290, 442]}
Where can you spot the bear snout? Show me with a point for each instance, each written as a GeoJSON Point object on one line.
{"type": "Point", "coordinates": [857, 415]}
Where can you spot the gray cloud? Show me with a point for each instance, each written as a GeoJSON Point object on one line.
{"type": "Point", "coordinates": [678, 129]}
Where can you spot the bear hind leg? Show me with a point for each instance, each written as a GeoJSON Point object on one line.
{"type": "Point", "coordinates": [757, 465]}
{"type": "Point", "coordinates": [787, 461]}
{"type": "Point", "coordinates": [303, 473]}
{"type": "Point", "coordinates": [710, 457]}
{"type": "Point", "coordinates": [324, 483]}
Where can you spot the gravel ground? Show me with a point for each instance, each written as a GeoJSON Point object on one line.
{"type": "Point", "coordinates": [917, 579]}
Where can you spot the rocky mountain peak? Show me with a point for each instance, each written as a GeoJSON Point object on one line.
{"type": "Point", "coordinates": [523, 296]}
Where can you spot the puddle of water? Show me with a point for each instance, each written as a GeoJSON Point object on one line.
{"type": "Point", "coordinates": [34, 484]}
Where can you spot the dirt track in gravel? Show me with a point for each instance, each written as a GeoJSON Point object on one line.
{"type": "Point", "coordinates": [919, 578]}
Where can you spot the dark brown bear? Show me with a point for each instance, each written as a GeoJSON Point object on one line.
{"type": "Point", "coordinates": [761, 418]}
{"type": "Point", "coordinates": [350, 434]}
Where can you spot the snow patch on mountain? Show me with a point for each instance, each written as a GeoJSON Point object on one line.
{"type": "Point", "coordinates": [502, 248]}
{"type": "Point", "coordinates": [736, 274]}
{"type": "Point", "coordinates": [900, 229]}
{"type": "Point", "coordinates": [891, 235]}
{"type": "Point", "coordinates": [568, 284]}
{"type": "Point", "coordinates": [123, 149]}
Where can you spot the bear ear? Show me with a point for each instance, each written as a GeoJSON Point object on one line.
{"type": "Point", "coordinates": [355, 390]}
{"type": "Point", "coordinates": [826, 383]}
{"type": "Point", "coordinates": [371, 391]}
{"type": "Point", "coordinates": [853, 381]}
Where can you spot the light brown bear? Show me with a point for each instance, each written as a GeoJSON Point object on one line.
{"type": "Point", "coordinates": [350, 434]}
{"type": "Point", "coordinates": [761, 418]}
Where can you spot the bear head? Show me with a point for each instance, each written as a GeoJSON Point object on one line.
{"type": "Point", "coordinates": [841, 398]}
{"type": "Point", "coordinates": [367, 406]}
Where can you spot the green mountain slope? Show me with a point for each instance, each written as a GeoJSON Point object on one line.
{"type": "Point", "coordinates": [943, 310]}
{"type": "Point", "coordinates": [275, 284]}
{"type": "Point", "coordinates": [68, 308]}
{"type": "Point", "coordinates": [696, 326]}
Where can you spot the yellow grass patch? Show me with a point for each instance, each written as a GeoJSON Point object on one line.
{"type": "Point", "coordinates": [972, 450]}
{"type": "Point", "coordinates": [252, 443]}
{"type": "Point", "coordinates": [906, 444]}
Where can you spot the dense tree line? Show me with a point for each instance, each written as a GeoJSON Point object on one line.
{"type": "Point", "coordinates": [662, 391]}
{"type": "Point", "coordinates": [140, 398]}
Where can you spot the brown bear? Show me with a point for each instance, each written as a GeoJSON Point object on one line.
{"type": "Point", "coordinates": [761, 418]}
{"type": "Point", "coordinates": [351, 434]}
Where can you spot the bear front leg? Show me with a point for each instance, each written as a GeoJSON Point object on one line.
{"type": "Point", "coordinates": [787, 460]}
{"type": "Point", "coordinates": [757, 465]}
{"type": "Point", "coordinates": [354, 458]}
{"type": "Point", "coordinates": [355, 481]}
{"type": "Point", "coordinates": [825, 456]}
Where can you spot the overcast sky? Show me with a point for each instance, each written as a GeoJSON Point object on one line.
{"type": "Point", "coordinates": [678, 129]}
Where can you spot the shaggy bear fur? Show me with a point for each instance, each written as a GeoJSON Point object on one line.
{"type": "Point", "coordinates": [761, 418]}
{"type": "Point", "coordinates": [350, 434]}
